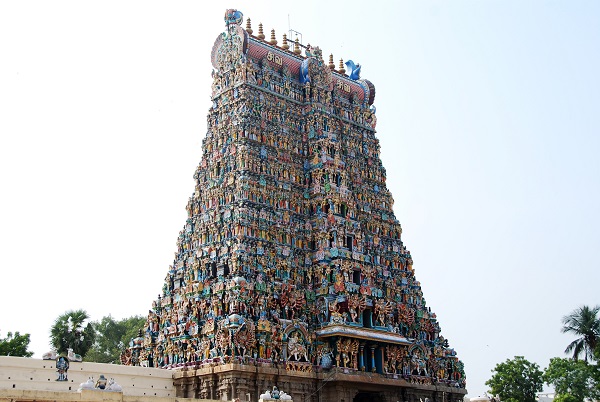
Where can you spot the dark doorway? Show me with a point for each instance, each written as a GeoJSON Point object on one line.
{"type": "Point", "coordinates": [368, 397]}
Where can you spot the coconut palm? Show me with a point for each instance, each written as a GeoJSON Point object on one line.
{"type": "Point", "coordinates": [68, 332]}
{"type": "Point", "coordinates": [584, 323]}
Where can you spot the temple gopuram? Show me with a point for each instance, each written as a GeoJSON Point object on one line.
{"type": "Point", "coordinates": [290, 271]}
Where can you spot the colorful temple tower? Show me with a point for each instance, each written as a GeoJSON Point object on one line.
{"type": "Point", "coordinates": [290, 270]}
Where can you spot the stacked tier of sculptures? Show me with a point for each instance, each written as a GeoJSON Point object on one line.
{"type": "Point", "coordinates": [291, 229]}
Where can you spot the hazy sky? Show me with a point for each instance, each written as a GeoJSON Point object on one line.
{"type": "Point", "coordinates": [488, 117]}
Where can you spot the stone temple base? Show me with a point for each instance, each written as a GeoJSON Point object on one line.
{"type": "Point", "coordinates": [271, 400]}
{"type": "Point", "coordinates": [247, 382]}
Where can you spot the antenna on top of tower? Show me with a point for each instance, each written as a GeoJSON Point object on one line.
{"type": "Point", "coordinates": [296, 33]}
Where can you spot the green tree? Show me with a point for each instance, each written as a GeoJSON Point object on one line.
{"type": "Point", "coordinates": [572, 379]}
{"type": "Point", "coordinates": [566, 398]}
{"type": "Point", "coordinates": [516, 380]}
{"type": "Point", "coordinates": [15, 345]}
{"type": "Point", "coordinates": [584, 323]}
{"type": "Point", "coordinates": [596, 372]}
{"type": "Point", "coordinates": [112, 337]}
{"type": "Point", "coordinates": [70, 332]}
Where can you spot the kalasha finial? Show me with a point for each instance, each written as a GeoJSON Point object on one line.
{"type": "Point", "coordinates": [331, 63]}
{"type": "Point", "coordinates": [341, 69]}
{"type": "Point", "coordinates": [285, 45]}
{"type": "Point", "coordinates": [273, 40]}
{"type": "Point", "coordinates": [248, 26]}
{"type": "Point", "coordinates": [297, 47]}
{"type": "Point", "coordinates": [261, 35]}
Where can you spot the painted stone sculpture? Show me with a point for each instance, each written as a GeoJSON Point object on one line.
{"type": "Point", "coordinates": [291, 252]}
{"type": "Point", "coordinates": [62, 367]}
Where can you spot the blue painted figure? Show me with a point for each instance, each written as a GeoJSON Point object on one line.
{"type": "Point", "coordinates": [62, 366]}
{"type": "Point", "coordinates": [354, 70]}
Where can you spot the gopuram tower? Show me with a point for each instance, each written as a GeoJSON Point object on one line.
{"type": "Point", "coordinates": [290, 270]}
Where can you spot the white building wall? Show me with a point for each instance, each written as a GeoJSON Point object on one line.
{"type": "Point", "coordinates": [20, 373]}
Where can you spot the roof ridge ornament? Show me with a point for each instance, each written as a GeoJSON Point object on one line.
{"type": "Point", "coordinates": [354, 70]}
{"type": "Point", "coordinates": [233, 17]}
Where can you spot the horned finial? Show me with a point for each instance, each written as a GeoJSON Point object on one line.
{"type": "Point", "coordinates": [261, 35]}
{"type": "Point", "coordinates": [248, 26]}
{"type": "Point", "coordinates": [331, 63]}
{"type": "Point", "coordinates": [285, 45]}
{"type": "Point", "coordinates": [297, 47]}
{"type": "Point", "coordinates": [341, 69]}
{"type": "Point", "coordinates": [273, 40]}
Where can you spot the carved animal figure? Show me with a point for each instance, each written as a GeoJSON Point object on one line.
{"type": "Point", "coordinates": [113, 386]}
{"type": "Point", "coordinates": [89, 384]}
{"type": "Point", "coordinates": [354, 70]}
{"type": "Point", "coordinates": [74, 357]}
{"type": "Point", "coordinates": [52, 355]}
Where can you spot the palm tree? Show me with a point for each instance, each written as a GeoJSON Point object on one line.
{"type": "Point", "coordinates": [583, 322]}
{"type": "Point", "coordinates": [68, 332]}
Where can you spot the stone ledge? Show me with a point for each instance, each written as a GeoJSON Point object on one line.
{"type": "Point", "coordinates": [84, 396]}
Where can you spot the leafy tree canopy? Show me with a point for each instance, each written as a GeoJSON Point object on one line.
{"type": "Point", "coordinates": [15, 345]}
{"type": "Point", "coordinates": [516, 380]}
{"type": "Point", "coordinates": [572, 379]}
{"type": "Point", "coordinates": [69, 331]}
{"type": "Point", "coordinates": [566, 398]}
{"type": "Point", "coordinates": [584, 323]}
{"type": "Point", "coordinates": [112, 336]}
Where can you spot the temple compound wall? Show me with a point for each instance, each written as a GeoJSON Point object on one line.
{"type": "Point", "coordinates": [290, 270]}
{"type": "Point", "coordinates": [25, 374]}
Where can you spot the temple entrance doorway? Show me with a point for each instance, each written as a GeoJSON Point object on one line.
{"type": "Point", "coordinates": [368, 397]}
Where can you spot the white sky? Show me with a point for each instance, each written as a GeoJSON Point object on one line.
{"type": "Point", "coordinates": [488, 117]}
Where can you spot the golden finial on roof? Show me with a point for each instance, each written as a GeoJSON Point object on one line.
{"type": "Point", "coordinates": [297, 47]}
{"type": "Point", "coordinates": [341, 69]}
{"type": "Point", "coordinates": [248, 26]}
{"type": "Point", "coordinates": [285, 45]}
{"type": "Point", "coordinates": [331, 63]}
{"type": "Point", "coordinates": [273, 40]}
{"type": "Point", "coordinates": [261, 35]}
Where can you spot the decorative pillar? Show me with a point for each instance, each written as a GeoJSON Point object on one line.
{"type": "Point", "coordinates": [211, 387]}
{"type": "Point", "coordinates": [284, 350]}
{"type": "Point", "coordinates": [361, 357]}
{"type": "Point", "coordinates": [192, 388]}
{"type": "Point", "coordinates": [373, 368]}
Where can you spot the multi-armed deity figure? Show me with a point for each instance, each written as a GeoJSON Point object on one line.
{"type": "Point", "coordinates": [291, 259]}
